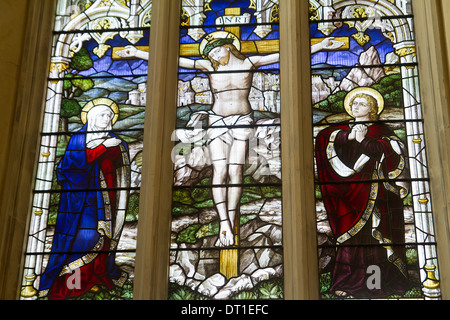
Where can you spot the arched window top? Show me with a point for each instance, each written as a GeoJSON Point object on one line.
{"type": "Point", "coordinates": [102, 28]}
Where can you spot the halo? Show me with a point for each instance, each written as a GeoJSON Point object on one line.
{"type": "Point", "coordinates": [366, 90]}
{"type": "Point", "coordinates": [97, 102]}
{"type": "Point", "coordinates": [215, 36]}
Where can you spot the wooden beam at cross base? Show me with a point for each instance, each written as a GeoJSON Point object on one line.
{"type": "Point", "coordinates": [229, 258]}
{"type": "Point", "coordinates": [228, 262]}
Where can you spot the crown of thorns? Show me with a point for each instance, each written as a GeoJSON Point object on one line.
{"type": "Point", "coordinates": [214, 44]}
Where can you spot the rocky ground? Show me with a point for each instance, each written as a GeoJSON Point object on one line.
{"type": "Point", "coordinates": [197, 265]}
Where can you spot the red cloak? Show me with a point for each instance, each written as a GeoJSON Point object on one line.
{"type": "Point", "coordinates": [364, 205]}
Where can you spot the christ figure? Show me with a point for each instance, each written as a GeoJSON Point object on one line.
{"type": "Point", "coordinates": [230, 118]}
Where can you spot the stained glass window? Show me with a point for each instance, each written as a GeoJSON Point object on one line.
{"type": "Point", "coordinates": [373, 207]}
{"type": "Point", "coordinates": [82, 236]}
{"type": "Point", "coordinates": [226, 230]}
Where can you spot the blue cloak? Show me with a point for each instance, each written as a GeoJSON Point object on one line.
{"type": "Point", "coordinates": [81, 208]}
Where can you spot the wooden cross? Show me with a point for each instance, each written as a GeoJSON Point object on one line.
{"type": "Point", "coordinates": [247, 47]}
{"type": "Point", "coordinates": [229, 258]}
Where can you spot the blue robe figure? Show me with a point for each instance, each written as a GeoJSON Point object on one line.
{"type": "Point", "coordinates": [93, 172]}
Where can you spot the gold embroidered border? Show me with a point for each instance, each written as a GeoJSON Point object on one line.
{"type": "Point", "coordinates": [126, 163]}
{"type": "Point", "coordinates": [43, 293]}
{"type": "Point", "coordinates": [366, 215]}
{"type": "Point", "coordinates": [121, 281]}
{"type": "Point", "coordinates": [87, 258]}
{"type": "Point", "coordinates": [330, 146]}
{"type": "Point", "coordinates": [105, 225]}
{"type": "Point", "coordinates": [401, 191]}
{"type": "Point", "coordinates": [393, 258]}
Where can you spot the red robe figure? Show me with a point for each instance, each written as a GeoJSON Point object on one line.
{"type": "Point", "coordinates": [360, 166]}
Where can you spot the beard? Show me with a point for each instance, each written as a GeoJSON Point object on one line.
{"type": "Point", "coordinates": [224, 60]}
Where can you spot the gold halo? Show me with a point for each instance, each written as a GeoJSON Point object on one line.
{"type": "Point", "coordinates": [219, 35]}
{"type": "Point", "coordinates": [98, 102]}
{"type": "Point", "coordinates": [366, 90]}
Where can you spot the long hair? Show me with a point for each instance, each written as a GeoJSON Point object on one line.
{"type": "Point", "coordinates": [373, 104]}
{"type": "Point", "coordinates": [233, 51]}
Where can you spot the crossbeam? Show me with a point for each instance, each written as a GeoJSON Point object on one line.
{"type": "Point", "coordinates": [247, 47]}
{"type": "Point", "coordinates": [229, 257]}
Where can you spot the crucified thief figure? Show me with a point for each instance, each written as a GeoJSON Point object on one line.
{"type": "Point", "coordinates": [230, 118]}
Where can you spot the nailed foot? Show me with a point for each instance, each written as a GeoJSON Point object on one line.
{"type": "Point", "coordinates": [226, 235]}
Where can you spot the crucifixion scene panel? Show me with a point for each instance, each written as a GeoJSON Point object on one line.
{"type": "Point", "coordinates": [226, 231]}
